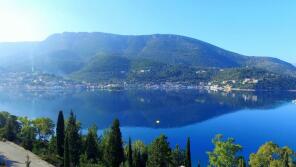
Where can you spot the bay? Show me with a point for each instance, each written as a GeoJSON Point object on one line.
{"type": "Point", "coordinates": [252, 118]}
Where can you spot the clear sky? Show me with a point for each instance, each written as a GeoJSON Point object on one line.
{"type": "Point", "coordinates": [250, 27]}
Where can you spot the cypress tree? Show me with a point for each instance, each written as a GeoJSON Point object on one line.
{"type": "Point", "coordinates": [73, 139]}
{"type": "Point", "coordinates": [114, 155]}
{"type": "Point", "coordinates": [66, 153]}
{"type": "Point", "coordinates": [188, 153]}
{"type": "Point", "coordinates": [130, 153]}
{"type": "Point", "coordinates": [60, 131]}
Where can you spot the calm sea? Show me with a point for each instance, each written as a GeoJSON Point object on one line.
{"type": "Point", "coordinates": [252, 118]}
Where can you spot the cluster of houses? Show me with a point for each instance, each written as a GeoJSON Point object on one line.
{"type": "Point", "coordinates": [40, 80]}
{"type": "Point", "coordinates": [229, 85]}
{"type": "Point", "coordinates": [35, 81]}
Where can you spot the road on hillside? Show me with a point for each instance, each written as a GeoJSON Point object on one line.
{"type": "Point", "coordinates": [15, 155]}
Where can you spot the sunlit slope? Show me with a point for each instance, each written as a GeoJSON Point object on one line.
{"type": "Point", "coordinates": [70, 52]}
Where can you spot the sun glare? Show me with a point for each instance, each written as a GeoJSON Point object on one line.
{"type": "Point", "coordinates": [17, 26]}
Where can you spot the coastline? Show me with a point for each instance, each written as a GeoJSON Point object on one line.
{"type": "Point", "coordinates": [148, 86]}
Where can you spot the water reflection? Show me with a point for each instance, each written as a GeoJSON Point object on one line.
{"type": "Point", "coordinates": [139, 108]}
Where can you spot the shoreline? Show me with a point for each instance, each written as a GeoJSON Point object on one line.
{"type": "Point", "coordinates": [140, 86]}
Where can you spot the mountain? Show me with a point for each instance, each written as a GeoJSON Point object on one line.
{"type": "Point", "coordinates": [117, 68]}
{"type": "Point", "coordinates": [80, 54]}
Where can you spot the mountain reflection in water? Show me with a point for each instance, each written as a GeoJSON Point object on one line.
{"type": "Point", "coordinates": [139, 108]}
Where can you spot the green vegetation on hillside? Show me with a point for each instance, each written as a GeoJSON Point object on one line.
{"type": "Point", "coordinates": [68, 53]}
{"type": "Point", "coordinates": [254, 78]}
{"type": "Point", "coordinates": [103, 69]}
{"type": "Point", "coordinates": [119, 69]}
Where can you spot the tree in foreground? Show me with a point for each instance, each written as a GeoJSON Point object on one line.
{"type": "Point", "coordinates": [224, 153]}
{"type": "Point", "coordinates": [92, 145]}
{"type": "Point", "coordinates": [188, 153]}
{"type": "Point", "coordinates": [140, 154]}
{"type": "Point", "coordinates": [74, 140]}
{"type": "Point", "coordinates": [286, 159]}
{"type": "Point", "coordinates": [66, 153]}
{"type": "Point", "coordinates": [241, 162]}
{"type": "Point", "coordinates": [28, 133]}
{"type": "Point", "coordinates": [130, 153]}
{"type": "Point", "coordinates": [11, 128]}
{"type": "Point", "coordinates": [114, 153]}
{"type": "Point", "coordinates": [60, 134]}
{"type": "Point", "coordinates": [3, 118]}
{"type": "Point", "coordinates": [137, 159]}
{"type": "Point", "coordinates": [272, 155]}
{"type": "Point", "coordinates": [159, 153]}
{"type": "Point", "coordinates": [44, 128]}
{"type": "Point", "coordinates": [28, 137]}
{"type": "Point", "coordinates": [178, 157]}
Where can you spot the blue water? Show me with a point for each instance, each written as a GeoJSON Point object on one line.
{"type": "Point", "coordinates": [251, 118]}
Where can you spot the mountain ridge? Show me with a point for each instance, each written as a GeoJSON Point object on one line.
{"type": "Point", "coordinates": [69, 52]}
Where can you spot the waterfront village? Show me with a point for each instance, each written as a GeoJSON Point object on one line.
{"type": "Point", "coordinates": [43, 81]}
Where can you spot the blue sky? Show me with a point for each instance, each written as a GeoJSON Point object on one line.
{"type": "Point", "coordinates": [252, 27]}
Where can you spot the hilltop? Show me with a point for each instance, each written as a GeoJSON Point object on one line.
{"type": "Point", "coordinates": [69, 52]}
